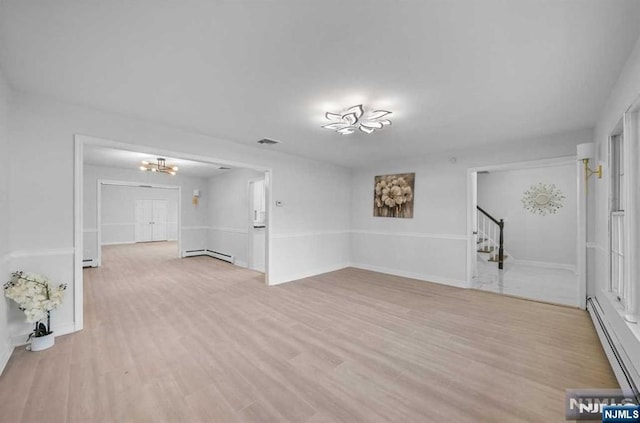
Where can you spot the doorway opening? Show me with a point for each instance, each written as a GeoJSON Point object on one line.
{"type": "Point", "coordinates": [130, 212]}
{"type": "Point", "coordinates": [145, 216]}
{"type": "Point", "coordinates": [523, 219]}
{"type": "Point", "coordinates": [257, 223]}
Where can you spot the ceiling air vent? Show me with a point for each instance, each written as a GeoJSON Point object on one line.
{"type": "Point", "coordinates": [267, 141]}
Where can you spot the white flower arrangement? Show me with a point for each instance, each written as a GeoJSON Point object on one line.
{"type": "Point", "coordinates": [36, 297]}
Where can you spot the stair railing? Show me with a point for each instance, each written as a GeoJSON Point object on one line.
{"type": "Point", "coordinates": [491, 231]}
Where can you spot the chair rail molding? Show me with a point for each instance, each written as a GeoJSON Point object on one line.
{"type": "Point", "coordinates": [412, 234]}
{"type": "Point", "coordinates": [41, 253]}
{"type": "Point", "coordinates": [310, 233]}
{"type": "Point", "coordinates": [230, 230]}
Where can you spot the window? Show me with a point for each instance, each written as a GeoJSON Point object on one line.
{"type": "Point", "coordinates": [616, 166]}
{"type": "Point", "coordinates": [624, 221]}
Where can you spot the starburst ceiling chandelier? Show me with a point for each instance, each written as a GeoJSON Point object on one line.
{"type": "Point", "coordinates": [355, 118]}
{"type": "Point", "coordinates": [160, 166]}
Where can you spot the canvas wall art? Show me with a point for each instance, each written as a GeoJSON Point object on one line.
{"type": "Point", "coordinates": [393, 195]}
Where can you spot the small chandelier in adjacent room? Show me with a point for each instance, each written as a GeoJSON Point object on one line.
{"type": "Point", "coordinates": [357, 117]}
{"type": "Point", "coordinates": [159, 166]}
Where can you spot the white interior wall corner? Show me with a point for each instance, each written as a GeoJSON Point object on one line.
{"type": "Point", "coordinates": [5, 199]}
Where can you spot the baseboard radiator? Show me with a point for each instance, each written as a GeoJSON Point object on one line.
{"type": "Point", "coordinates": [89, 263]}
{"type": "Point", "coordinates": [626, 375]}
{"type": "Point", "coordinates": [215, 254]}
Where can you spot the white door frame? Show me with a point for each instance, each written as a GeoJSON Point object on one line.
{"type": "Point", "coordinates": [581, 265]}
{"type": "Point", "coordinates": [79, 142]}
{"type": "Point", "coordinates": [102, 182]}
{"type": "Point", "coordinates": [250, 238]}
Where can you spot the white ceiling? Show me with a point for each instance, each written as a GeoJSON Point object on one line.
{"type": "Point", "coordinates": [122, 159]}
{"type": "Point", "coordinates": [455, 73]}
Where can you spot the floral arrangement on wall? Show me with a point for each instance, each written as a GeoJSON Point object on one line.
{"type": "Point", "coordinates": [36, 297]}
{"type": "Point", "coordinates": [393, 195]}
{"type": "Point", "coordinates": [543, 199]}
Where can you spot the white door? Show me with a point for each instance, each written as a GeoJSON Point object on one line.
{"type": "Point", "coordinates": [151, 220]}
{"type": "Point", "coordinates": [144, 219]}
{"type": "Point", "coordinates": [159, 220]}
{"type": "Point", "coordinates": [257, 223]}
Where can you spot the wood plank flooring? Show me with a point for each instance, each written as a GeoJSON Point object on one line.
{"type": "Point", "coordinates": [200, 340]}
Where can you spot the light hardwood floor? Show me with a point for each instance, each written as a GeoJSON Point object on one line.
{"type": "Point", "coordinates": [199, 340]}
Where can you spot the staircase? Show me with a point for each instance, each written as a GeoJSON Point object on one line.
{"type": "Point", "coordinates": [490, 237]}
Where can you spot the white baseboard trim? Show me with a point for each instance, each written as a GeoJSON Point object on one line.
{"type": "Point", "coordinates": [5, 355]}
{"type": "Point", "coordinates": [21, 339]}
{"type": "Point", "coordinates": [546, 264]}
{"type": "Point", "coordinates": [213, 254]}
{"type": "Point", "coordinates": [221, 256]}
{"type": "Point", "coordinates": [627, 376]}
{"type": "Point", "coordinates": [413, 275]}
{"type": "Point", "coordinates": [308, 274]}
{"type": "Point", "coordinates": [118, 243]}
{"type": "Point", "coordinates": [135, 242]}
{"type": "Point", "coordinates": [195, 252]}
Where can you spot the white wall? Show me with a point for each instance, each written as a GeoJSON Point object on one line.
{"type": "Point", "coordinates": [119, 212]}
{"type": "Point", "coordinates": [528, 236]}
{"type": "Point", "coordinates": [229, 213]}
{"type": "Point", "coordinates": [309, 234]}
{"type": "Point", "coordinates": [433, 245]}
{"type": "Point", "coordinates": [194, 218]}
{"type": "Point", "coordinates": [5, 270]}
{"type": "Point", "coordinates": [623, 94]}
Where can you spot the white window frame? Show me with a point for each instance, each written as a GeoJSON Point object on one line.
{"type": "Point", "coordinates": [628, 294]}
{"type": "Point", "coordinates": [616, 214]}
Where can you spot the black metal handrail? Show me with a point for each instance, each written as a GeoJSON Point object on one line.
{"type": "Point", "coordinates": [500, 224]}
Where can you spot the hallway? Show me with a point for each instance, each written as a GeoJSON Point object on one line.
{"type": "Point", "coordinates": [556, 286]}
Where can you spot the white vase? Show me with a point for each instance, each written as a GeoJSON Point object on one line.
{"type": "Point", "coordinates": [42, 342]}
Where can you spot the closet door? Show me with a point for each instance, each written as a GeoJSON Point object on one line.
{"type": "Point", "coordinates": [144, 220]}
{"type": "Point", "coordinates": [159, 220]}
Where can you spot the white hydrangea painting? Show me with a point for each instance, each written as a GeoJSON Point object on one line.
{"type": "Point", "coordinates": [393, 195]}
